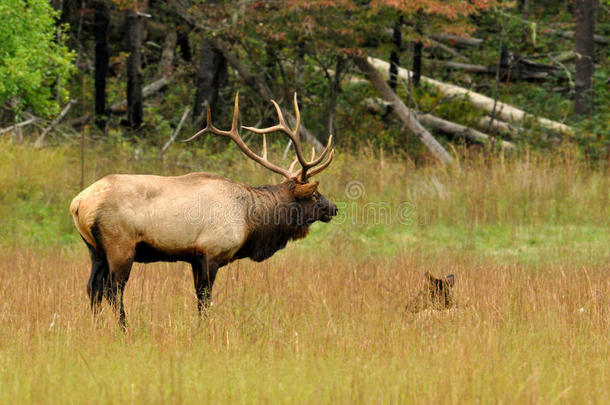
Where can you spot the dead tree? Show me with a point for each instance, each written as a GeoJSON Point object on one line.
{"type": "Point", "coordinates": [134, 78]}
{"type": "Point", "coordinates": [585, 47]}
{"type": "Point", "coordinates": [395, 54]}
{"type": "Point", "coordinates": [101, 21]}
{"type": "Point", "coordinates": [209, 77]}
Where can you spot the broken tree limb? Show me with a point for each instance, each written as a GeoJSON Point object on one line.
{"type": "Point", "coordinates": [172, 138]}
{"type": "Point", "coordinates": [460, 130]}
{"type": "Point", "coordinates": [454, 39]}
{"type": "Point", "coordinates": [262, 89]}
{"type": "Point", "coordinates": [150, 90]}
{"type": "Point", "coordinates": [446, 48]}
{"type": "Point", "coordinates": [465, 66]}
{"type": "Point", "coordinates": [564, 57]}
{"type": "Point", "coordinates": [406, 115]}
{"type": "Point", "coordinates": [505, 111]}
{"type": "Point", "coordinates": [498, 126]}
{"type": "Point", "coordinates": [18, 125]}
{"type": "Point", "coordinates": [600, 39]}
{"type": "Point", "coordinates": [39, 142]}
{"type": "Point", "coordinates": [518, 71]}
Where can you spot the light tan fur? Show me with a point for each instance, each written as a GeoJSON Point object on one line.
{"type": "Point", "coordinates": [197, 211]}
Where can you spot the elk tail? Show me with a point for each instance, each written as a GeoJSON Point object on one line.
{"type": "Point", "coordinates": [82, 228]}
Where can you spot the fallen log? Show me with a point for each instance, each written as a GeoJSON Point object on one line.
{"type": "Point", "coordinates": [461, 130]}
{"type": "Point", "coordinates": [406, 115]}
{"type": "Point", "coordinates": [600, 39]}
{"type": "Point", "coordinates": [454, 39]}
{"type": "Point", "coordinates": [505, 111]}
{"type": "Point", "coordinates": [446, 48]}
{"type": "Point", "coordinates": [520, 70]}
{"type": "Point", "coordinates": [379, 106]}
{"type": "Point", "coordinates": [565, 57]}
{"type": "Point", "coordinates": [498, 126]}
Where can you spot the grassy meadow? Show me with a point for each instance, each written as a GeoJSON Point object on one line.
{"type": "Point", "coordinates": [323, 321]}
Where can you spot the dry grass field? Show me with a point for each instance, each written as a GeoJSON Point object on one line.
{"type": "Point", "coordinates": [323, 321]}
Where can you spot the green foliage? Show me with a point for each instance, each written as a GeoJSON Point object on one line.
{"type": "Point", "coordinates": [34, 65]}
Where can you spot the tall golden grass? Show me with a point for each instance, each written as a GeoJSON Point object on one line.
{"type": "Point", "coordinates": [323, 320]}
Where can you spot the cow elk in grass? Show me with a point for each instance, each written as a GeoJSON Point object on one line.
{"type": "Point", "coordinates": [199, 218]}
{"type": "Point", "coordinates": [436, 294]}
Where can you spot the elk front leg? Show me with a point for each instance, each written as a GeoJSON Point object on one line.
{"type": "Point", "coordinates": [204, 274]}
{"type": "Point", "coordinates": [120, 262]}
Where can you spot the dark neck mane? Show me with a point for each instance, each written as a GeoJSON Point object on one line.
{"type": "Point", "coordinates": [273, 220]}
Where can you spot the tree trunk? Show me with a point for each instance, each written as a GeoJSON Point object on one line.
{"type": "Point", "coordinates": [417, 51]}
{"type": "Point", "coordinates": [183, 43]}
{"type": "Point", "coordinates": [335, 88]}
{"type": "Point", "coordinates": [525, 16]}
{"type": "Point", "coordinates": [406, 115]}
{"type": "Point", "coordinates": [210, 76]}
{"type": "Point", "coordinates": [418, 47]}
{"type": "Point", "coordinates": [134, 78]}
{"type": "Point", "coordinates": [395, 54]}
{"type": "Point", "coordinates": [101, 21]}
{"type": "Point", "coordinates": [166, 63]}
{"type": "Point", "coordinates": [585, 46]}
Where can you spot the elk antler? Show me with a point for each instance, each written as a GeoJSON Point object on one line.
{"type": "Point", "coordinates": [281, 126]}
{"type": "Point", "coordinates": [296, 141]}
{"type": "Point", "coordinates": [234, 135]}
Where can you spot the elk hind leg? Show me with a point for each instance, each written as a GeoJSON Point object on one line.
{"type": "Point", "coordinates": [98, 279]}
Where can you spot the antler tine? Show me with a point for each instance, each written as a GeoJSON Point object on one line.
{"type": "Point", "coordinates": [209, 126]}
{"type": "Point", "coordinates": [294, 162]}
{"type": "Point", "coordinates": [297, 116]}
{"type": "Point", "coordinates": [323, 166]}
{"type": "Point", "coordinates": [234, 135]}
{"type": "Point", "coordinates": [314, 162]}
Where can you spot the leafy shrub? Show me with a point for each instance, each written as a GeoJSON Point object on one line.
{"type": "Point", "coordinates": [33, 62]}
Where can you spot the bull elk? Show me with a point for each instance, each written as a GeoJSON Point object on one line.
{"type": "Point", "coordinates": [199, 218]}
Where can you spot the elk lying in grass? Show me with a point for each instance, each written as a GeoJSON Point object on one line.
{"type": "Point", "coordinates": [199, 218]}
{"type": "Point", "coordinates": [436, 294]}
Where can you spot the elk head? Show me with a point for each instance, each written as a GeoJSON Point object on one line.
{"type": "Point", "coordinates": [312, 205]}
{"type": "Point", "coordinates": [436, 294]}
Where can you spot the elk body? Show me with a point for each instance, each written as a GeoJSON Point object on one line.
{"type": "Point", "coordinates": [199, 218]}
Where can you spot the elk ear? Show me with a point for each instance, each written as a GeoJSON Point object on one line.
{"type": "Point", "coordinates": [429, 278]}
{"type": "Point", "coordinates": [450, 278]}
{"type": "Point", "coordinates": [303, 191]}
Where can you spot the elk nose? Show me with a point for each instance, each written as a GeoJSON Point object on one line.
{"type": "Point", "coordinates": [333, 210]}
